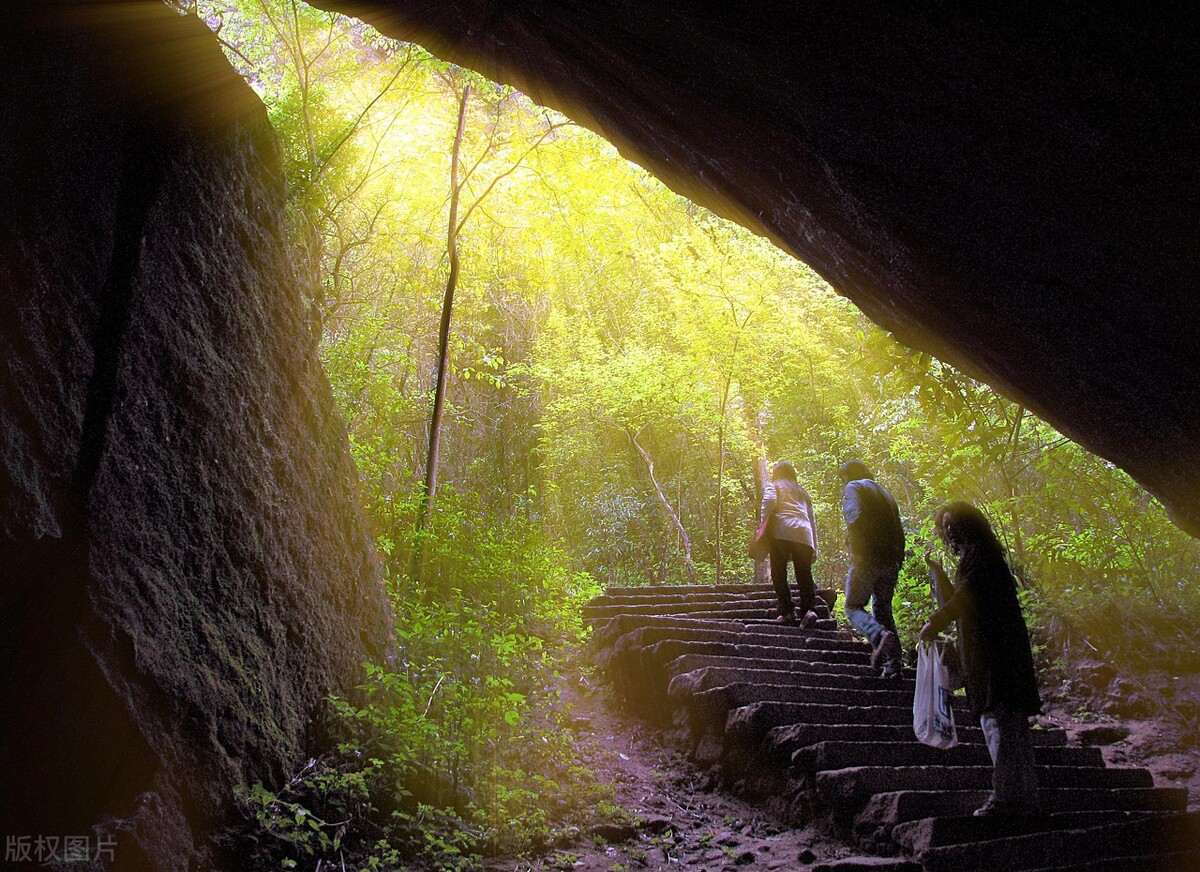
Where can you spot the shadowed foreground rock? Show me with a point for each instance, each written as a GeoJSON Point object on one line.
{"type": "Point", "coordinates": [183, 570]}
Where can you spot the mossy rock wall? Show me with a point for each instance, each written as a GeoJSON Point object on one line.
{"type": "Point", "coordinates": [184, 570]}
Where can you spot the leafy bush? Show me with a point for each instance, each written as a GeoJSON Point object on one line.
{"type": "Point", "coordinates": [458, 745]}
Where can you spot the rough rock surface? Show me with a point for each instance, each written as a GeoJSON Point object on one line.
{"type": "Point", "coordinates": [184, 572]}
{"type": "Point", "coordinates": [1011, 188]}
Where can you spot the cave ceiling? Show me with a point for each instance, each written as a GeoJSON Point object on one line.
{"type": "Point", "coordinates": [1013, 188]}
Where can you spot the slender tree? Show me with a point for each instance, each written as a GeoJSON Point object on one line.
{"type": "Point", "coordinates": [666, 505]}
{"type": "Point", "coordinates": [429, 493]}
{"type": "Point", "coordinates": [454, 227]}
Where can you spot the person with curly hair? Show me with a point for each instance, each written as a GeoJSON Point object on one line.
{"type": "Point", "coordinates": [1002, 686]}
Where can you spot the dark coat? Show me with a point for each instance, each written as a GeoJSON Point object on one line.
{"type": "Point", "coordinates": [996, 654]}
{"type": "Point", "coordinates": [872, 522]}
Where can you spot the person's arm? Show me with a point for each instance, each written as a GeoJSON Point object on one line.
{"type": "Point", "coordinates": [769, 501]}
{"type": "Point", "coordinates": [851, 505]}
{"type": "Point", "coordinates": [945, 616]}
{"type": "Point", "coordinates": [812, 520]}
{"type": "Point", "coordinates": [943, 588]}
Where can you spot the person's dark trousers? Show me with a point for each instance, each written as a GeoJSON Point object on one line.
{"type": "Point", "coordinates": [1010, 744]}
{"type": "Point", "coordinates": [801, 556]}
{"type": "Point", "coordinates": [873, 580]}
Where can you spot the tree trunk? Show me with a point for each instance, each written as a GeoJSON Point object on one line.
{"type": "Point", "coordinates": [429, 494]}
{"type": "Point", "coordinates": [721, 469]}
{"type": "Point", "coordinates": [721, 431]}
{"type": "Point", "coordinates": [761, 474]}
{"type": "Point", "coordinates": [662, 499]}
{"type": "Point", "coordinates": [762, 574]}
{"type": "Point", "coordinates": [1018, 544]}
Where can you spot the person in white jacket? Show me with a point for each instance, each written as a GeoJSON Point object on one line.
{"type": "Point", "coordinates": [793, 530]}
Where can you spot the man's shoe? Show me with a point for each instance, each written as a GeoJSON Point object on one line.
{"type": "Point", "coordinates": [996, 808]}
{"type": "Point", "coordinates": [809, 620]}
{"type": "Point", "coordinates": [788, 618]}
{"type": "Point", "coordinates": [887, 650]}
{"type": "Point", "coordinates": [991, 808]}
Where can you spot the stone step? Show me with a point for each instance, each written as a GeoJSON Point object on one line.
{"type": "Point", "coordinates": [834, 647]}
{"type": "Point", "coordinates": [640, 672]}
{"type": "Point", "coordinates": [897, 704]}
{"type": "Point", "coordinates": [764, 622]}
{"type": "Point", "coordinates": [867, 864]}
{"type": "Point", "coordinates": [681, 589]}
{"type": "Point", "coordinates": [829, 625]}
{"type": "Point", "coordinates": [636, 663]}
{"type": "Point", "coordinates": [758, 615]}
{"type": "Point", "coordinates": [709, 677]}
{"type": "Point", "coordinates": [760, 609]}
{"type": "Point", "coordinates": [853, 786]}
{"type": "Point", "coordinates": [608, 632]}
{"type": "Point", "coordinates": [749, 723]}
{"type": "Point", "coordinates": [757, 605]}
{"type": "Point", "coordinates": [1146, 835]}
{"type": "Point", "coordinates": [1174, 861]}
{"type": "Point", "coordinates": [931, 832]}
{"type": "Point", "coordinates": [711, 709]}
{"type": "Point", "coordinates": [894, 807]}
{"type": "Point", "coordinates": [780, 661]}
{"type": "Point", "coordinates": [781, 743]}
{"type": "Point", "coordinates": [727, 611]}
{"type": "Point", "coordinates": [762, 619]}
{"type": "Point", "coordinates": [839, 755]}
{"type": "Point", "coordinates": [767, 596]}
{"type": "Point", "coordinates": [626, 656]}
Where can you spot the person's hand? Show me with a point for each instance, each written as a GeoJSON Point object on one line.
{"type": "Point", "coordinates": [933, 563]}
{"type": "Point", "coordinates": [928, 633]}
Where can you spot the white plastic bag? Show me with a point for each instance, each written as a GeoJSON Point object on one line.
{"type": "Point", "coordinates": [933, 719]}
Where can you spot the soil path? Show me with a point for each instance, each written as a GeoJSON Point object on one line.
{"type": "Point", "coordinates": [677, 819]}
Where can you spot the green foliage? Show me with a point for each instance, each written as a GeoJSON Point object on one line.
{"type": "Point", "coordinates": [325, 811]}
{"type": "Point", "coordinates": [913, 602]}
{"type": "Point", "coordinates": [459, 746]}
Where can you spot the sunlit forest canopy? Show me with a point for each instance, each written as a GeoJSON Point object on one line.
{"type": "Point", "coordinates": [620, 359]}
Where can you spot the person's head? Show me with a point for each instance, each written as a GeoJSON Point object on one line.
{"type": "Point", "coordinates": [853, 470]}
{"type": "Point", "coordinates": [783, 471]}
{"type": "Point", "coordinates": [961, 526]}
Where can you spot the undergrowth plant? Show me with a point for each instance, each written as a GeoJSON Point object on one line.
{"type": "Point", "coordinates": [456, 746]}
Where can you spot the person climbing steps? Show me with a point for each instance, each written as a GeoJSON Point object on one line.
{"type": "Point", "coordinates": [876, 541]}
{"type": "Point", "coordinates": [791, 525]}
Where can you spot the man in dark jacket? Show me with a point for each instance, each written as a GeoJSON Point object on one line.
{"type": "Point", "coordinates": [876, 540]}
{"type": "Point", "coordinates": [997, 658]}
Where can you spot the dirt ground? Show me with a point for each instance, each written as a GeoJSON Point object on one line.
{"type": "Point", "coordinates": [681, 822]}
{"type": "Point", "coordinates": [1149, 720]}
{"type": "Point", "coordinates": [1151, 744]}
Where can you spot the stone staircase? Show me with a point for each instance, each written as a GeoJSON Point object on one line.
{"type": "Point", "coordinates": [799, 721]}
